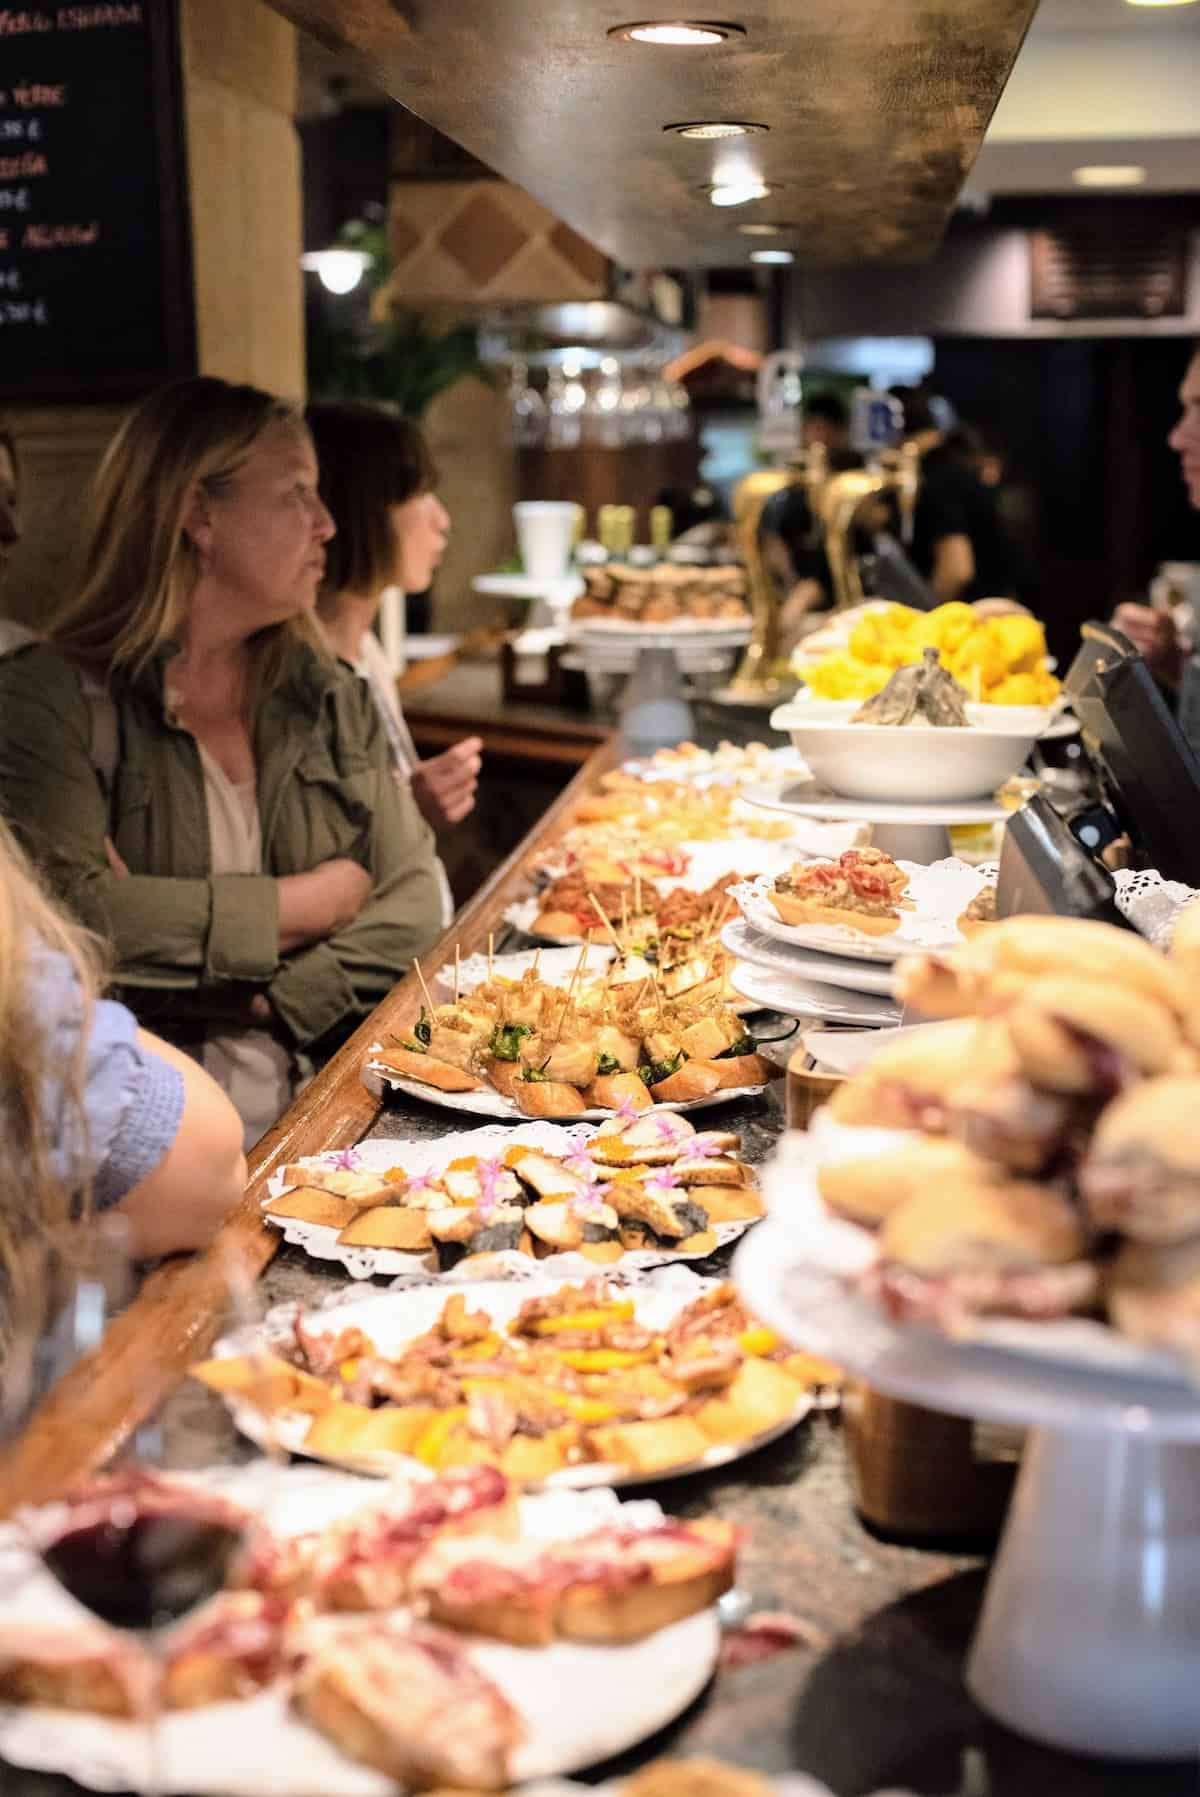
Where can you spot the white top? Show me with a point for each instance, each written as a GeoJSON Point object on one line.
{"type": "Point", "coordinates": [251, 1065]}
{"type": "Point", "coordinates": [374, 667]}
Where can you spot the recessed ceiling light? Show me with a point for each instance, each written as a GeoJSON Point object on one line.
{"type": "Point", "coordinates": [780, 256]}
{"type": "Point", "coordinates": [738, 193]}
{"type": "Point", "coordinates": [711, 128]}
{"type": "Point", "coordinates": [1109, 174]}
{"type": "Point", "coordinates": [763, 229]}
{"type": "Point", "coordinates": [1161, 2]}
{"type": "Point", "coordinates": [678, 32]}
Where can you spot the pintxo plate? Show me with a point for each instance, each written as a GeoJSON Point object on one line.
{"type": "Point", "coordinates": [260, 1746]}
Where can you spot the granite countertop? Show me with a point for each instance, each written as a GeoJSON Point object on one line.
{"type": "Point", "coordinates": [871, 1695]}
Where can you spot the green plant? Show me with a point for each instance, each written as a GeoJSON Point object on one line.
{"type": "Point", "coordinates": [401, 359]}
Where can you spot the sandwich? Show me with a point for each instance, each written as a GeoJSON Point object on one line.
{"type": "Point", "coordinates": [232, 1647]}
{"type": "Point", "coordinates": [868, 1190]}
{"type": "Point", "coordinates": [617, 1584]}
{"type": "Point", "coordinates": [1090, 1037]}
{"type": "Point", "coordinates": [910, 1083]}
{"type": "Point", "coordinates": [996, 965]}
{"type": "Point", "coordinates": [412, 1703]}
{"type": "Point", "coordinates": [975, 1246]}
{"type": "Point", "coordinates": [1152, 1292]}
{"type": "Point", "coordinates": [1141, 1176]}
{"type": "Point", "coordinates": [1006, 1119]}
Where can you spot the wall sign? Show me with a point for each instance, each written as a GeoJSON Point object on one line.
{"type": "Point", "coordinates": [95, 250]}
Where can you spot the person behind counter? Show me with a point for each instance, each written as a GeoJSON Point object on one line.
{"type": "Point", "coordinates": [93, 1109]}
{"type": "Point", "coordinates": [377, 481]}
{"type": "Point", "coordinates": [200, 781]}
{"type": "Point", "coordinates": [1151, 632]}
{"type": "Point", "coordinates": [958, 544]}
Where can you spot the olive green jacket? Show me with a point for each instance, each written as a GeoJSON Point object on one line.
{"type": "Point", "coordinates": [188, 946]}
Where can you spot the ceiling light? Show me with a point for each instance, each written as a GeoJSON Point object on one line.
{"type": "Point", "coordinates": [780, 256]}
{"type": "Point", "coordinates": [710, 128]}
{"type": "Point", "coordinates": [678, 32]}
{"type": "Point", "coordinates": [763, 229]}
{"type": "Point", "coordinates": [1161, 2]}
{"type": "Point", "coordinates": [339, 271]}
{"type": "Point", "coordinates": [1109, 174]}
{"type": "Point", "coordinates": [738, 193]}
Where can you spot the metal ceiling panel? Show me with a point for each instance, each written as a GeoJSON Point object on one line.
{"type": "Point", "coordinates": [875, 109]}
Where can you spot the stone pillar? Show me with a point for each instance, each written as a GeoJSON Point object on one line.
{"type": "Point", "coordinates": [239, 70]}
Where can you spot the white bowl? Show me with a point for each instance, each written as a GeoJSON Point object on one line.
{"type": "Point", "coordinates": [911, 765]}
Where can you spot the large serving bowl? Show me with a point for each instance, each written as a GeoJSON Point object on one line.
{"type": "Point", "coordinates": [913, 764]}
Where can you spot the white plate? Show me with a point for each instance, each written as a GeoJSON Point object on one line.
{"type": "Point", "coordinates": [817, 1257]}
{"type": "Point", "coordinates": [803, 798]}
{"type": "Point", "coordinates": [390, 1319]}
{"type": "Point", "coordinates": [939, 894]}
{"type": "Point", "coordinates": [424, 1157]}
{"type": "Point", "coordinates": [522, 586]}
{"type": "Point", "coordinates": [797, 997]}
{"type": "Point", "coordinates": [556, 966]}
{"type": "Point", "coordinates": [794, 963]}
{"type": "Point", "coordinates": [259, 1748]}
{"type": "Point", "coordinates": [776, 764]}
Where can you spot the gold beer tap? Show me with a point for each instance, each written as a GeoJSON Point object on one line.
{"type": "Point", "coordinates": [756, 678]}
{"type": "Point", "coordinates": [857, 501]}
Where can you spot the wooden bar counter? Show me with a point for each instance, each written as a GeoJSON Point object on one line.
{"type": "Point", "coordinates": [870, 1693]}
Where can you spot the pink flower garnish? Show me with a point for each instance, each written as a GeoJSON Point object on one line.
{"type": "Point", "coordinates": [581, 1164]}
{"type": "Point", "coordinates": [586, 1204]}
{"type": "Point", "coordinates": [345, 1160]}
{"type": "Point", "coordinates": [666, 1181]}
{"type": "Point", "coordinates": [666, 1127]}
{"type": "Point", "coordinates": [420, 1182]}
{"type": "Point", "coordinates": [627, 1111]}
{"type": "Point", "coordinates": [704, 1148]}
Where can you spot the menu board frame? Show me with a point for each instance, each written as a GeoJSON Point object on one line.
{"type": "Point", "coordinates": [168, 145]}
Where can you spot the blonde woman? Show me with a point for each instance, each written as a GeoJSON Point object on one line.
{"type": "Point", "coordinates": [198, 779]}
{"type": "Point", "coordinates": [94, 1111]}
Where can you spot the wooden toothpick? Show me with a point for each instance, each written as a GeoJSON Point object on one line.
{"type": "Point", "coordinates": [598, 908]}
{"type": "Point", "coordinates": [424, 987]}
{"type": "Point", "coordinates": [457, 972]}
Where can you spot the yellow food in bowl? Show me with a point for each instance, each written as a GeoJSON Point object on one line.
{"type": "Point", "coordinates": [1000, 661]}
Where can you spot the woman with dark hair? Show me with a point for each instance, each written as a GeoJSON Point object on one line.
{"type": "Point", "coordinates": [377, 480]}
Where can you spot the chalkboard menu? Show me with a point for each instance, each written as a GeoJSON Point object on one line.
{"type": "Point", "coordinates": [95, 269]}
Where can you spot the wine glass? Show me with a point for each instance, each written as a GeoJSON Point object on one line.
{"type": "Point", "coordinates": [146, 1541]}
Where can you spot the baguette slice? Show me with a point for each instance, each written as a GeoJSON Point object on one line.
{"type": "Point", "coordinates": [729, 1204]}
{"type": "Point", "coordinates": [428, 1070]}
{"type": "Point", "coordinates": [505, 1076]}
{"type": "Point", "coordinates": [359, 1188]}
{"type": "Point", "coordinates": [75, 1666]}
{"type": "Point", "coordinates": [413, 1704]}
{"type": "Point", "coordinates": [230, 1649]}
{"type": "Point", "coordinates": [695, 1079]}
{"type": "Point", "coordinates": [745, 1070]}
{"type": "Point", "coordinates": [548, 1098]}
{"type": "Point", "coordinates": [608, 1091]}
{"type": "Point", "coordinates": [389, 1226]}
{"type": "Point", "coordinates": [305, 1204]}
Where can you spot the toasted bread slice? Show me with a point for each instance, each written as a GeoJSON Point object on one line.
{"type": "Point", "coordinates": [651, 1447]}
{"type": "Point", "coordinates": [745, 1070]}
{"type": "Point", "coordinates": [265, 1381]}
{"type": "Point", "coordinates": [548, 1098]}
{"type": "Point", "coordinates": [608, 1091]}
{"type": "Point", "coordinates": [389, 1226]}
{"type": "Point", "coordinates": [343, 1182]}
{"type": "Point", "coordinates": [429, 1071]}
{"type": "Point", "coordinates": [729, 1204]}
{"type": "Point", "coordinates": [695, 1079]}
{"type": "Point", "coordinates": [305, 1204]}
{"type": "Point", "coordinates": [712, 1170]}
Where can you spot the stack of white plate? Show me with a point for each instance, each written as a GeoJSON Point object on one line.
{"type": "Point", "coordinates": [699, 648]}
{"type": "Point", "coordinates": [809, 983]}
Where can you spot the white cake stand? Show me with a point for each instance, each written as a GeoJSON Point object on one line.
{"type": "Point", "coordinates": [906, 832]}
{"type": "Point", "coordinates": [1089, 1637]}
